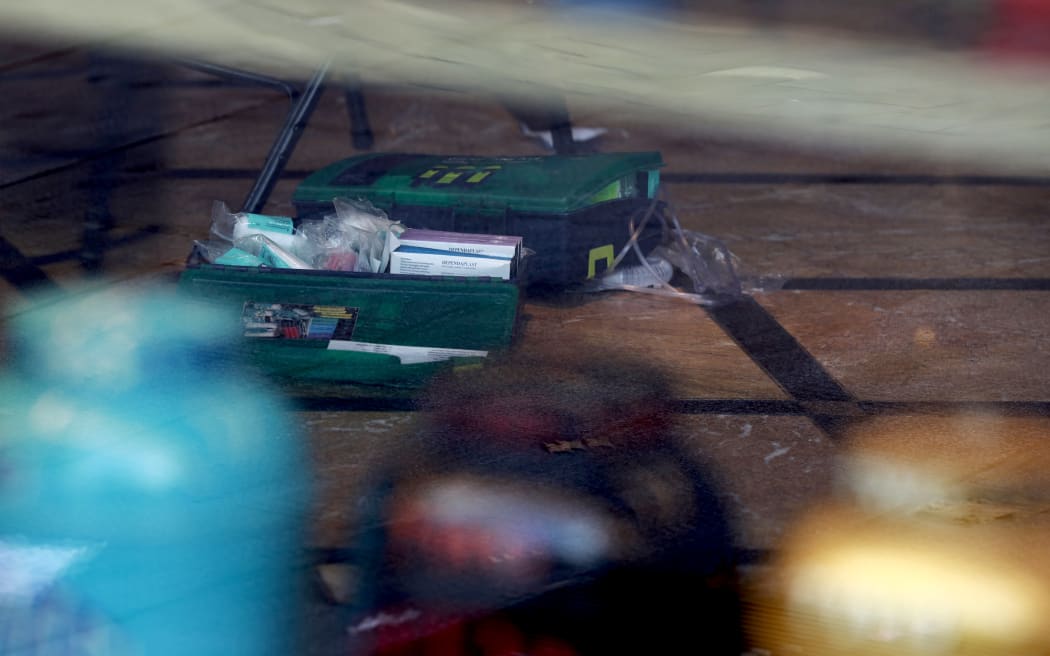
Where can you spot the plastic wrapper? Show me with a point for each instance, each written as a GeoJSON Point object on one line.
{"type": "Point", "coordinates": [656, 272]}
{"type": "Point", "coordinates": [209, 250]}
{"type": "Point", "coordinates": [329, 248]}
{"type": "Point", "coordinates": [270, 252]}
{"type": "Point", "coordinates": [715, 274]}
{"type": "Point", "coordinates": [230, 227]}
{"type": "Point", "coordinates": [336, 243]}
{"type": "Point", "coordinates": [363, 229]}
{"type": "Point", "coordinates": [355, 238]}
{"type": "Point", "coordinates": [707, 262]}
{"type": "Point", "coordinates": [715, 271]}
{"type": "Point", "coordinates": [246, 239]}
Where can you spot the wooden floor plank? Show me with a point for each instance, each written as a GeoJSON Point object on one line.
{"type": "Point", "coordinates": [701, 360]}
{"type": "Point", "coordinates": [772, 469]}
{"type": "Point", "coordinates": [345, 448]}
{"type": "Point", "coordinates": [925, 346]}
{"type": "Point", "coordinates": [892, 231]}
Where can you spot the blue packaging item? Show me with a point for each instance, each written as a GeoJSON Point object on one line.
{"type": "Point", "coordinates": [153, 495]}
{"type": "Point", "coordinates": [237, 257]}
{"type": "Point", "coordinates": [266, 223]}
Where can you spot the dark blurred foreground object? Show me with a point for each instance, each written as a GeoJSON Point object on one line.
{"type": "Point", "coordinates": [544, 509]}
{"type": "Point", "coordinates": [153, 499]}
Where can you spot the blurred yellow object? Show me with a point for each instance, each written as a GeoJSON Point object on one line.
{"type": "Point", "coordinates": [936, 545]}
{"type": "Point", "coordinates": [912, 463]}
{"type": "Point", "coordinates": [846, 583]}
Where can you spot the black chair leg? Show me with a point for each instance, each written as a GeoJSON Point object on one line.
{"type": "Point", "coordinates": [552, 114]}
{"type": "Point", "coordinates": [111, 80]}
{"type": "Point", "coordinates": [360, 128]}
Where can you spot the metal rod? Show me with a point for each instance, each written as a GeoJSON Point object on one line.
{"type": "Point", "coordinates": [284, 145]}
{"type": "Point", "coordinates": [219, 70]}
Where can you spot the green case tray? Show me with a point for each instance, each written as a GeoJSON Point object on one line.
{"type": "Point", "coordinates": [296, 317]}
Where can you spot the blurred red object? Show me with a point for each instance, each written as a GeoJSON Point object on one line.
{"type": "Point", "coordinates": [1019, 29]}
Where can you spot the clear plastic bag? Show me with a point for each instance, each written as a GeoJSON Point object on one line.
{"type": "Point", "coordinates": [232, 226]}
{"type": "Point", "coordinates": [270, 252]}
{"type": "Point", "coordinates": [328, 249]}
{"type": "Point", "coordinates": [245, 239]}
{"type": "Point", "coordinates": [354, 238]}
{"type": "Point", "coordinates": [713, 271]}
{"type": "Point", "coordinates": [209, 250]}
{"type": "Point", "coordinates": [705, 260]}
{"type": "Point", "coordinates": [360, 227]}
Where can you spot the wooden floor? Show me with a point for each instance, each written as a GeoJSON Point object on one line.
{"type": "Point", "coordinates": [892, 288]}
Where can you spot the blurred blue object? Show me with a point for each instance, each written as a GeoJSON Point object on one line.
{"type": "Point", "coordinates": [152, 496]}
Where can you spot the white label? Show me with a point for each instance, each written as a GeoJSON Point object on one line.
{"type": "Point", "coordinates": [407, 354]}
{"type": "Point", "coordinates": [440, 263]}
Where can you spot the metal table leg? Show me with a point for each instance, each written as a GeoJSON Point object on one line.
{"type": "Point", "coordinates": [360, 128]}
{"type": "Point", "coordinates": [282, 148]}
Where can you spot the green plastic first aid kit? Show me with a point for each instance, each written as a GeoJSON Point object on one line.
{"type": "Point", "coordinates": [573, 212]}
